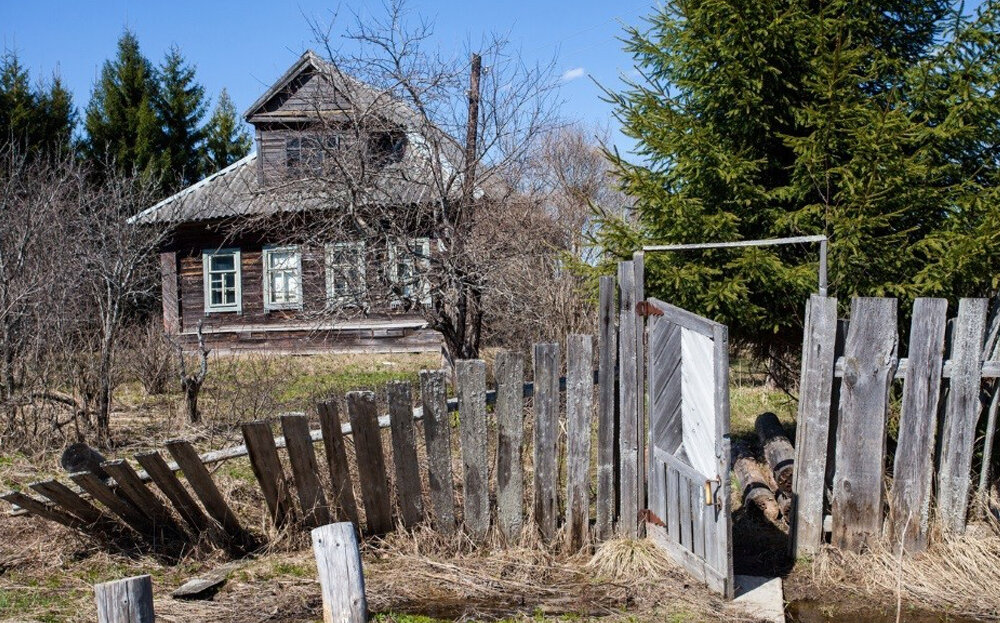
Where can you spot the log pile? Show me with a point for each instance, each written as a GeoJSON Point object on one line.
{"type": "Point", "coordinates": [767, 485]}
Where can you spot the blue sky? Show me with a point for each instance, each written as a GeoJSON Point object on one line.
{"type": "Point", "coordinates": [244, 46]}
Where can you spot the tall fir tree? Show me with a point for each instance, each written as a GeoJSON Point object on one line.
{"type": "Point", "coordinates": [180, 106]}
{"type": "Point", "coordinates": [227, 139]}
{"type": "Point", "coordinates": [40, 117]}
{"type": "Point", "coordinates": [123, 128]}
{"type": "Point", "coordinates": [758, 119]}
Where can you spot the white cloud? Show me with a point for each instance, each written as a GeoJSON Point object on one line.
{"type": "Point", "coordinates": [572, 74]}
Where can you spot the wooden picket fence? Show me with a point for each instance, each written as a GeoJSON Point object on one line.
{"type": "Point", "coordinates": [571, 482]}
{"type": "Point", "coordinates": [848, 370]}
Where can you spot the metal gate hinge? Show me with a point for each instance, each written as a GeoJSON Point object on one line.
{"type": "Point", "coordinates": [647, 309]}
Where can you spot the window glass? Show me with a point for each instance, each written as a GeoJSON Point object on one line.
{"type": "Point", "coordinates": [222, 280]}
{"type": "Point", "coordinates": [345, 269]}
{"type": "Point", "coordinates": [283, 268]}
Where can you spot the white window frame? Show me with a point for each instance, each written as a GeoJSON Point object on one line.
{"type": "Point", "coordinates": [265, 257]}
{"type": "Point", "coordinates": [206, 271]}
{"type": "Point", "coordinates": [356, 298]}
{"type": "Point", "coordinates": [419, 271]}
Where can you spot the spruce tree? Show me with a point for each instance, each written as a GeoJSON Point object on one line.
{"type": "Point", "coordinates": [123, 128]}
{"type": "Point", "coordinates": [227, 139]}
{"type": "Point", "coordinates": [180, 106]}
{"type": "Point", "coordinates": [35, 118]}
{"type": "Point", "coordinates": [759, 119]}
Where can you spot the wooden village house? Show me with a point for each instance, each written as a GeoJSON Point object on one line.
{"type": "Point", "coordinates": [229, 264]}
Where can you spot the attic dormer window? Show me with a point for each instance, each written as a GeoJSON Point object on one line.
{"type": "Point", "coordinates": [310, 152]}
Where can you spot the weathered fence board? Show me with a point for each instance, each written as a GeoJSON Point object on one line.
{"type": "Point", "coordinates": [267, 468]}
{"type": "Point", "coordinates": [958, 433]}
{"type": "Point", "coordinates": [508, 369]}
{"type": "Point", "coordinates": [639, 294]}
{"type": "Point", "coordinates": [61, 495]}
{"type": "Point", "coordinates": [437, 434]}
{"type": "Point", "coordinates": [141, 497]}
{"type": "Point", "coordinates": [472, 425]}
{"type": "Point", "coordinates": [171, 486]}
{"type": "Point", "coordinates": [305, 470]}
{"type": "Point", "coordinates": [371, 461]}
{"type": "Point", "coordinates": [43, 510]}
{"type": "Point", "coordinates": [870, 354]}
{"type": "Point", "coordinates": [546, 366]}
{"type": "Point", "coordinates": [336, 459]}
{"type": "Point", "coordinates": [101, 492]}
{"type": "Point", "coordinates": [910, 496]}
{"type": "Point", "coordinates": [404, 454]}
{"type": "Point", "coordinates": [628, 403]}
{"type": "Point", "coordinates": [607, 346]}
{"type": "Point", "coordinates": [579, 408]}
{"type": "Point", "coordinates": [341, 578]}
{"type": "Point", "coordinates": [125, 601]}
{"type": "Point", "coordinates": [813, 423]}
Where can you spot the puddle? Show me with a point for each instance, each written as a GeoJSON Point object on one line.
{"type": "Point", "coordinates": [807, 611]}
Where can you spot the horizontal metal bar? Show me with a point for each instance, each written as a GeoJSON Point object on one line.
{"type": "Point", "coordinates": [737, 243]}
{"type": "Point", "coordinates": [991, 369]}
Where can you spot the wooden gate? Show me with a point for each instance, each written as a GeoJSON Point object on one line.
{"type": "Point", "coordinates": [689, 459]}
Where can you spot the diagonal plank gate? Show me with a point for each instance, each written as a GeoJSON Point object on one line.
{"type": "Point", "coordinates": [689, 460]}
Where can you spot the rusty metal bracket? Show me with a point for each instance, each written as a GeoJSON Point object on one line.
{"type": "Point", "coordinates": [647, 309]}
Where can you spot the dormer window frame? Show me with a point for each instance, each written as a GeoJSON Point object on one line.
{"type": "Point", "coordinates": [307, 151]}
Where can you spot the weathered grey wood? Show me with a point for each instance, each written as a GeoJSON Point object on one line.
{"type": "Point", "coordinates": [204, 586]}
{"type": "Point", "coordinates": [211, 498]}
{"type": "Point", "coordinates": [639, 294]}
{"type": "Point", "coordinates": [437, 434]}
{"type": "Point", "coordinates": [89, 482]}
{"type": "Point", "coordinates": [910, 496]}
{"type": "Point", "coordinates": [341, 578]}
{"type": "Point", "coordinates": [141, 497]}
{"type": "Point", "coordinates": [812, 432]}
{"type": "Point", "coordinates": [958, 434]}
{"type": "Point", "coordinates": [606, 421]}
{"type": "Point", "coordinates": [721, 526]}
{"type": "Point", "coordinates": [336, 459]}
{"type": "Point", "coordinates": [753, 483]}
{"type": "Point", "coordinates": [991, 355]}
{"type": "Point", "coordinates": [508, 369]}
{"type": "Point", "coordinates": [70, 501]}
{"type": "Point", "coordinates": [404, 454]}
{"type": "Point", "coordinates": [628, 403]}
{"type": "Point", "coordinates": [546, 473]}
{"type": "Point", "coordinates": [778, 450]}
{"type": "Point", "coordinates": [870, 353]}
{"type": "Point", "coordinates": [171, 486]}
{"type": "Point", "coordinates": [305, 470]}
{"type": "Point", "coordinates": [43, 510]}
{"type": "Point", "coordinates": [579, 407]}
{"type": "Point", "coordinates": [125, 601]}
{"type": "Point", "coordinates": [472, 428]}
{"type": "Point", "coordinates": [371, 461]}
{"type": "Point", "coordinates": [267, 468]}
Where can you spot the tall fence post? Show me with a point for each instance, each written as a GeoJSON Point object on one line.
{"type": "Point", "coordinates": [475, 445]}
{"type": "Point", "coordinates": [607, 346]}
{"type": "Point", "coordinates": [341, 579]}
{"type": "Point", "coordinates": [546, 366]}
{"type": "Point", "coordinates": [628, 494]}
{"type": "Point", "coordinates": [579, 407]}
{"type": "Point", "coordinates": [125, 601]}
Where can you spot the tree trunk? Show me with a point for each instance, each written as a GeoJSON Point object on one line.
{"type": "Point", "coordinates": [754, 486]}
{"type": "Point", "coordinates": [191, 389]}
{"type": "Point", "coordinates": [778, 450]}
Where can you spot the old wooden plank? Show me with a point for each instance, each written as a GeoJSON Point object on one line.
{"type": "Point", "coordinates": [437, 434]}
{"type": "Point", "coordinates": [141, 497]}
{"type": "Point", "coordinates": [628, 403]}
{"type": "Point", "coordinates": [607, 346]}
{"type": "Point", "coordinates": [267, 468]}
{"type": "Point", "coordinates": [579, 408]}
{"type": "Point", "coordinates": [508, 369]}
{"type": "Point", "coordinates": [211, 498]}
{"type": "Point", "coordinates": [336, 459]}
{"type": "Point", "coordinates": [958, 433]}
{"type": "Point", "coordinates": [639, 294]}
{"type": "Point", "coordinates": [341, 578]}
{"type": "Point", "coordinates": [171, 486]}
{"type": "Point", "coordinates": [404, 454]}
{"type": "Point", "coordinates": [870, 352]}
{"type": "Point", "coordinates": [910, 495]}
{"type": "Point", "coordinates": [71, 502]}
{"type": "Point", "coordinates": [118, 505]}
{"type": "Point", "coordinates": [305, 470]}
{"type": "Point", "coordinates": [371, 462]}
{"type": "Point", "coordinates": [125, 601]}
{"type": "Point", "coordinates": [43, 510]}
{"type": "Point", "coordinates": [475, 447]}
{"type": "Point", "coordinates": [813, 424]}
{"type": "Point", "coordinates": [546, 433]}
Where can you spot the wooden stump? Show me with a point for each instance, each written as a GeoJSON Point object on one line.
{"type": "Point", "coordinates": [778, 450]}
{"type": "Point", "coordinates": [125, 601]}
{"type": "Point", "coordinates": [341, 579]}
{"type": "Point", "coordinates": [754, 488]}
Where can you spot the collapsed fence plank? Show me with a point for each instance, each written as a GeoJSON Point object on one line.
{"type": "Point", "coordinates": [910, 496]}
{"type": "Point", "coordinates": [205, 488]}
{"type": "Point", "coordinates": [305, 470]}
{"type": "Point", "coordinates": [101, 492]}
{"type": "Point", "coordinates": [628, 431]}
{"type": "Point", "coordinates": [141, 497]}
{"type": "Point", "coordinates": [958, 434]}
{"type": "Point", "coordinates": [267, 468]}
{"type": "Point", "coordinates": [870, 353]}
{"type": "Point", "coordinates": [341, 578]}
{"type": "Point", "coordinates": [404, 454]}
{"type": "Point", "coordinates": [607, 346]}
{"type": "Point", "coordinates": [508, 369]}
{"type": "Point", "coordinates": [336, 459]}
{"type": "Point", "coordinates": [579, 407]}
{"type": "Point", "coordinates": [437, 434]}
{"type": "Point", "coordinates": [371, 461]}
{"type": "Point", "coordinates": [472, 428]}
{"type": "Point", "coordinates": [171, 486]}
{"type": "Point", "coordinates": [546, 472]}
{"type": "Point", "coordinates": [125, 601]}
{"type": "Point", "coordinates": [61, 495]}
{"type": "Point", "coordinates": [43, 510]}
